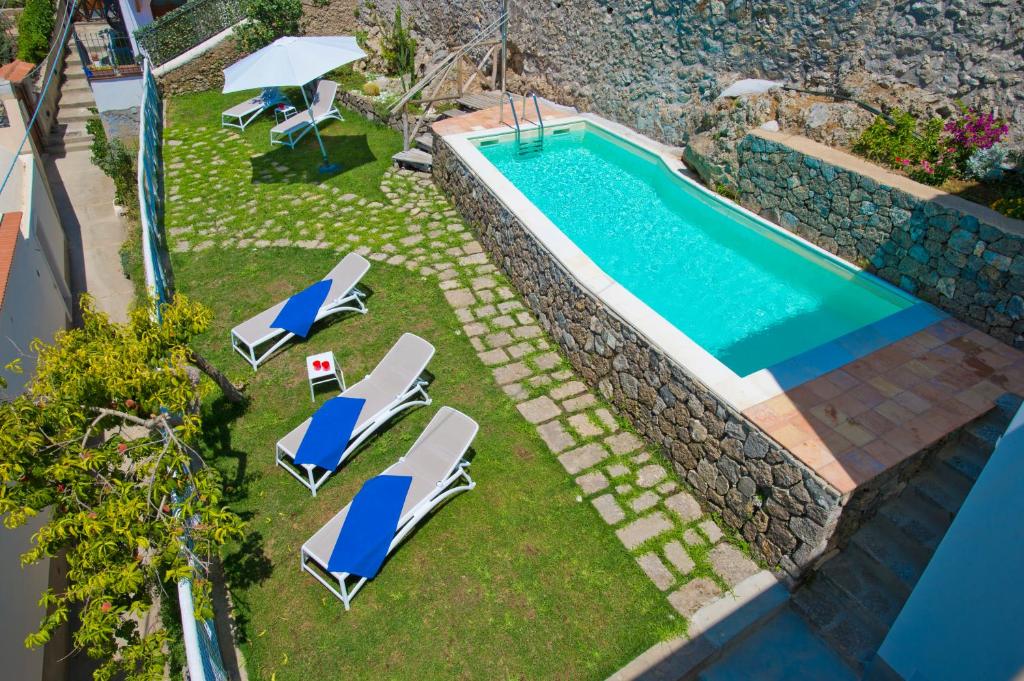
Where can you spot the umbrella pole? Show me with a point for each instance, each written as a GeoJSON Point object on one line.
{"type": "Point", "coordinates": [326, 166]}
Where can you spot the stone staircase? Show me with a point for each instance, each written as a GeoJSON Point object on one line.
{"type": "Point", "coordinates": [68, 132]}
{"type": "Point", "coordinates": [838, 618]}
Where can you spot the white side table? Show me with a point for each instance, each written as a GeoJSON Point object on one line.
{"type": "Point", "coordinates": [283, 112]}
{"type": "Point", "coordinates": [323, 368]}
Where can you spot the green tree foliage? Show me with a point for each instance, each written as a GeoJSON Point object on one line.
{"type": "Point", "coordinates": [102, 440]}
{"type": "Point", "coordinates": [8, 43]}
{"type": "Point", "coordinates": [117, 162]}
{"type": "Point", "coordinates": [398, 48]}
{"type": "Point", "coordinates": [268, 21]}
{"type": "Point", "coordinates": [35, 25]}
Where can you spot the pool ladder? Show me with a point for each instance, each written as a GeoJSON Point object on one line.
{"type": "Point", "coordinates": [532, 145]}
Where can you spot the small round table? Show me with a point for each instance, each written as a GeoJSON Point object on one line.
{"type": "Point", "coordinates": [321, 369]}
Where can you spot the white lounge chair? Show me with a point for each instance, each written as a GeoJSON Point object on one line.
{"type": "Point", "coordinates": [241, 115]}
{"type": "Point", "coordinates": [256, 332]}
{"type": "Point", "coordinates": [394, 385]}
{"type": "Point", "coordinates": [293, 129]}
{"type": "Point", "coordinates": [438, 469]}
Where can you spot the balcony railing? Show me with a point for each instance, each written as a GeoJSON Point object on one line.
{"type": "Point", "coordinates": [106, 54]}
{"type": "Point", "coordinates": [183, 28]}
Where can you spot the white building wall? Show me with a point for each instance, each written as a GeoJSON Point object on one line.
{"type": "Point", "coordinates": [36, 304]}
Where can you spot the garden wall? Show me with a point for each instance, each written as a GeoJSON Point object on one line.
{"type": "Point", "coordinates": [646, 63]}
{"type": "Point", "coordinates": [957, 255]}
{"type": "Point", "coordinates": [786, 512]}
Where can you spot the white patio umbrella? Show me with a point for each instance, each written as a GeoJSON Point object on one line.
{"type": "Point", "coordinates": [293, 61]}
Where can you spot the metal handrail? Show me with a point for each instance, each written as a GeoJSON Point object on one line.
{"type": "Point", "coordinates": [540, 120]}
{"type": "Point", "coordinates": [515, 118]}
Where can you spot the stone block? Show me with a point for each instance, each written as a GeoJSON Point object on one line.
{"type": "Point", "coordinates": [492, 357]}
{"type": "Point", "coordinates": [582, 424]}
{"type": "Point", "coordinates": [685, 506]}
{"type": "Point", "coordinates": [555, 437]}
{"type": "Point", "coordinates": [650, 475]}
{"type": "Point", "coordinates": [567, 390]}
{"type": "Point", "coordinates": [656, 570]}
{"type": "Point", "coordinates": [678, 556]}
{"type": "Point", "coordinates": [730, 564]}
{"type": "Point", "coordinates": [511, 372]}
{"type": "Point", "coordinates": [640, 530]}
{"type": "Point", "coordinates": [693, 595]}
{"type": "Point", "coordinates": [592, 482]}
{"type": "Point", "coordinates": [459, 297]}
{"type": "Point", "coordinates": [623, 443]}
{"type": "Point", "coordinates": [583, 457]}
{"type": "Point", "coordinates": [609, 509]}
{"type": "Point", "coordinates": [645, 501]}
{"type": "Point", "coordinates": [713, 532]}
{"type": "Point", "coordinates": [539, 410]}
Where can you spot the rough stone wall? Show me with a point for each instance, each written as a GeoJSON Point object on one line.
{"type": "Point", "coordinates": [122, 124]}
{"type": "Point", "coordinates": [788, 514]}
{"type": "Point", "coordinates": [971, 269]}
{"type": "Point", "coordinates": [203, 73]}
{"type": "Point", "coordinates": [645, 63]}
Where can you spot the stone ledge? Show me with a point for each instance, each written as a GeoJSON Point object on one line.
{"type": "Point", "coordinates": [858, 165]}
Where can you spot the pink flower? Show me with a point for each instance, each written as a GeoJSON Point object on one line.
{"type": "Point", "coordinates": [904, 161]}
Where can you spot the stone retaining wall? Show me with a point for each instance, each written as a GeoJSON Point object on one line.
{"type": "Point", "coordinates": [789, 515]}
{"type": "Point", "coordinates": [648, 63]}
{"type": "Point", "coordinates": [939, 250]}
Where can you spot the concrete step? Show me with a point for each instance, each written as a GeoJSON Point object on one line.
{"type": "Point", "coordinates": [942, 486]}
{"type": "Point", "coordinates": [918, 519]}
{"type": "Point", "coordinates": [415, 159]}
{"type": "Point", "coordinates": [839, 621]}
{"type": "Point", "coordinates": [63, 146]}
{"type": "Point", "coordinates": [893, 550]}
{"type": "Point", "coordinates": [425, 142]}
{"type": "Point", "coordinates": [451, 113]}
{"type": "Point", "coordinates": [783, 649]}
{"type": "Point", "coordinates": [75, 85]}
{"type": "Point", "coordinates": [76, 97]}
{"type": "Point", "coordinates": [985, 432]}
{"type": "Point", "coordinates": [73, 113]}
{"type": "Point", "coordinates": [878, 594]}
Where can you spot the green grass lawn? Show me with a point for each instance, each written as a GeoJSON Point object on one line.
{"type": "Point", "coordinates": [517, 578]}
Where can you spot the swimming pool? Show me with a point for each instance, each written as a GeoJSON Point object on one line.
{"type": "Point", "coordinates": [750, 296]}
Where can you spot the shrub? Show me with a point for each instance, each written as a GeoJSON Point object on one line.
{"type": "Point", "coordinates": [973, 131]}
{"type": "Point", "coordinates": [186, 26]}
{"type": "Point", "coordinates": [987, 164]}
{"type": "Point", "coordinates": [398, 49]}
{"type": "Point", "coordinates": [268, 21]}
{"type": "Point", "coordinates": [8, 43]}
{"type": "Point", "coordinates": [371, 89]}
{"type": "Point", "coordinates": [116, 162]}
{"type": "Point", "coordinates": [35, 25]}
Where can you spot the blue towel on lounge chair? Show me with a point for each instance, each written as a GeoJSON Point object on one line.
{"type": "Point", "coordinates": [370, 526]}
{"type": "Point", "coordinates": [329, 432]}
{"type": "Point", "coordinates": [299, 313]}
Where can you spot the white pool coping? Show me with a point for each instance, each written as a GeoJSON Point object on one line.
{"type": "Point", "coordinates": [741, 392]}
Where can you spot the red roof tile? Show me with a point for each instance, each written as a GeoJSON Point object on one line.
{"type": "Point", "coordinates": [10, 225]}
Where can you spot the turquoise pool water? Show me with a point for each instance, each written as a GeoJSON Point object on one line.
{"type": "Point", "coordinates": [748, 295]}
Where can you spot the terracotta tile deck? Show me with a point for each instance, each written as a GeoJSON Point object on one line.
{"type": "Point", "coordinates": [488, 118]}
{"type": "Point", "coordinates": [857, 421]}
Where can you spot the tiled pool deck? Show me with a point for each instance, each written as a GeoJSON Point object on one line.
{"type": "Point", "coordinates": [871, 414]}
{"type": "Point", "coordinates": [855, 422]}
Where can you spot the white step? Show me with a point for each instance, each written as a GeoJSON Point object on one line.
{"type": "Point", "coordinates": [73, 113]}
{"type": "Point", "coordinates": [76, 97]}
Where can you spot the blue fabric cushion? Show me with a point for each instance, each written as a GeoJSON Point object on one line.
{"type": "Point", "coordinates": [370, 526]}
{"type": "Point", "coordinates": [329, 432]}
{"type": "Point", "coordinates": [299, 313]}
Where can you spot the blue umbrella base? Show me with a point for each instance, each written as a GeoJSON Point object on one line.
{"type": "Point", "coordinates": [326, 168]}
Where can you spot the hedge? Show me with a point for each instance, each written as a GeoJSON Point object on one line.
{"type": "Point", "coordinates": [184, 27]}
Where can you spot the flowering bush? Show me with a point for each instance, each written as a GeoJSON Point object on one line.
{"type": "Point", "coordinates": [973, 130]}
{"type": "Point", "coordinates": [937, 150]}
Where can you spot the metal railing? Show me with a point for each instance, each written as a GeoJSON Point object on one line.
{"type": "Point", "coordinates": [184, 27]}
{"type": "Point", "coordinates": [151, 189]}
{"type": "Point", "coordinates": [106, 54]}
